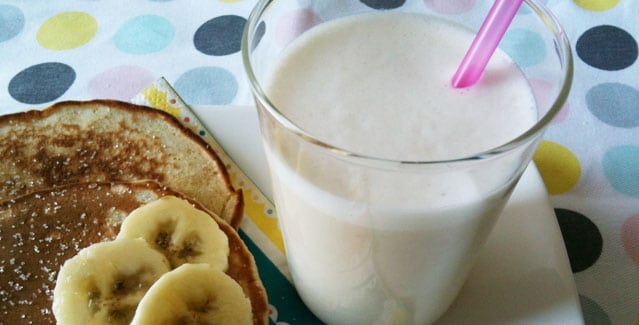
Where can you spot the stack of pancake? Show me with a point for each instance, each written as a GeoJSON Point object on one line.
{"type": "Point", "coordinates": [71, 173]}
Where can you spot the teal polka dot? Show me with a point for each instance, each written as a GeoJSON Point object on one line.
{"type": "Point", "coordinates": [11, 22]}
{"type": "Point", "coordinates": [526, 47]}
{"type": "Point", "coordinates": [620, 168]}
{"type": "Point", "coordinates": [144, 34]}
{"type": "Point", "coordinates": [207, 86]}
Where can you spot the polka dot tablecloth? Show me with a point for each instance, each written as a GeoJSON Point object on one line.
{"type": "Point", "coordinates": [62, 50]}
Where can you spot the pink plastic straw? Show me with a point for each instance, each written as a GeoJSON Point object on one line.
{"type": "Point", "coordinates": [490, 34]}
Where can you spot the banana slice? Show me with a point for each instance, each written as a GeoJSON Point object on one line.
{"type": "Point", "coordinates": [194, 294]}
{"type": "Point", "coordinates": [181, 232]}
{"type": "Point", "coordinates": [104, 282]}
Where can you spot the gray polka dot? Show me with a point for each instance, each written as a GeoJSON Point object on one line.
{"type": "Point", "coordinates": [593, 313]}
{"type": "Point", "coordinates": [384, 4]}
{"type": "Point", "coordinates": [41, 83]}
{"type": "Point", "coordinates": [220, 36]}
{"type": "Point", "coordinates": [607, 47]}
{"type": "Point", "coordinates": [615, 104]}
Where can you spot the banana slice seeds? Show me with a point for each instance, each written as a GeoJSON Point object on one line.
{"type": "Point", "coordinates": [194, 294]}
{"type": "Point", "coordinates": [104, 282]}
{"type": "Point", "coordinates": [166, 266]}
{"type": "Point", "coordinates": [181, 232]}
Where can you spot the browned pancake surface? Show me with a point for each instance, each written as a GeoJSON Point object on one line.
{"type": "Point", "coordinates": [40, 231]}
{"type": "Point", "coordinates": [106, 141]}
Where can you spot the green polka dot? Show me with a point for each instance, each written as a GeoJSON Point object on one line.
{"type": "Point", "coordinates": [67, 30]}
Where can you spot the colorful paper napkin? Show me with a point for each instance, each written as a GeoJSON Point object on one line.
{"type": "Point", "coordinates": [259, 229]}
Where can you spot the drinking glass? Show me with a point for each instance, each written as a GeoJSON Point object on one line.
{"type": "Point", "coordinates": [371, 240]}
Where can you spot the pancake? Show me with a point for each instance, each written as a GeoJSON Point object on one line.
{"type": "Point", "coordinates": [111, 141]}
{"type": "Point", "coordinates": [41, 230]}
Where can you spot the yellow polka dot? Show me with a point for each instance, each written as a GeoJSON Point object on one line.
{"type": "Point", "coordinates": [558, 166]}
{"type": "Point", "coordinates": [596, 5]}
{"type": "Point", "coordinates": [67, 30]}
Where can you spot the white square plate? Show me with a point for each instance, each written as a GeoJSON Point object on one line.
{"type": "Point", "coordinates": [522, 276]}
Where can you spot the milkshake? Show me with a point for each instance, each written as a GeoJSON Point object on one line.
{"type": "Point", "coordinates": [374, 236]}
{"type": "Point", "coordinates": [379, 85]}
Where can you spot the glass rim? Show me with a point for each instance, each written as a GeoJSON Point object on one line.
{"type": "Point", "coordinates": [562, 47]}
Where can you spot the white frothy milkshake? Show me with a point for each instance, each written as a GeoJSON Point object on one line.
{"type": "Point", "coordinates": [362, 249]}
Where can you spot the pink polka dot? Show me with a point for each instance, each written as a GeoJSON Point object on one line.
{"type": "Point", "coordinates": [293, 24]}
{"type": "Point", "coordinates": [630, 237]}
{"type": "Point", "coordinates": [541, 89]}
{"type": "Point", "coordinates": [121, 83]}
{"type": "Point", "coordinates": [450, 7]}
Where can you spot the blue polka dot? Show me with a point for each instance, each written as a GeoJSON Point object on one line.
{"type": "Point", "coordinates": [615, 104]}
{"type": "Point", "coordinates": [384, 4]}
{"type": "Point", "coordinates": [144, 34]}
{"type": "Point", "coordinates": [620, 167]}
{"type": "Point", "coordinates": [593, 313]}
{"type": "Point", "coordinates": [525, 47]}
{"type": "Point", "coordinates": [11, 22]}
{"type": "Point", "coordinates": [41, 83]}
{"type": "Point", "coordinates": [207, 86]}
{"type": "Point", "coordinates": [220, 35]}
{"type": "Point", "coordinates": [259, 33]}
